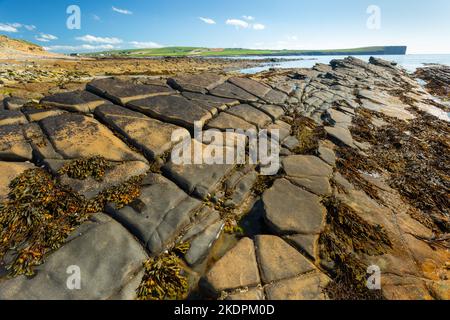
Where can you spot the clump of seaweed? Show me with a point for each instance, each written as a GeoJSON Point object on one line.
{"type": "Point", "coordinates": [232, 227]}
{"type": "Point", "coordinates": [163, 278]}
{"type": "Point", "coordinates": [416, 156]}
{"type": "Point", "coordinates": [81, 169]}
{"type": "Point", "coordinates": [40, 214]}
{"type": "Point", "coordinates": [345, 236]}
{"type": "Point", "coordinates": [120, 195]}
{"type": "Point", "coordinates": [37, 218]}
{"type": "Point", "coordinates": [351, 164]}
{"type": "Point", "coordinates": [308, 133]}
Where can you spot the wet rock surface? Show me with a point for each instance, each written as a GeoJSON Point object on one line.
{"type": "Point", "coordinates": [354, 137]}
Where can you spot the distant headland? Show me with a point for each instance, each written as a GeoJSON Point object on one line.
{"type": "Point", "coordinates": [236, 52]}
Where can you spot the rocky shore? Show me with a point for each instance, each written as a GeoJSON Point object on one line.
{"type": "Point", "coordinates": [87, 182]}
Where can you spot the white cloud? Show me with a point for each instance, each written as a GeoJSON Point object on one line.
{"type": "Point", "coordinates": [207, 20]}
{"type": "Point", "coordinates": [16, 25]}
{"type": "Point", "coordinates": [122, 11]}
{"type": "Point", "coordinates": [249, 18]}
{"type": "Point", "coordinates": [238, 23]}
{"type": "Point", "coordinates": [258, 26]}
{"type": "Point", "coordinates": [93, 39]}
{"type": "Point", "coordinates": [46, 37]}
{"type": "Point", "coordinates": [30, 27]}
{"type": "Point", "coordinates": [96, 17]}
{"type": "Point", "coordinates": [84, 47]}
{"type": "Point", "coordinates": [145, 45]}
{"type": "Point", "coordinates": [8, 28]}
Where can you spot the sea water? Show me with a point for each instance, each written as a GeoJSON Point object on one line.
{"type": "Point", "coordinates": [410, 62]}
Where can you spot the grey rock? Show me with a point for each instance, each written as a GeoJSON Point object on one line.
{"type": "Point", "coordinates": [289, 209]}
{"type": "Point", "coordinates": [107, 257]}
{"type": "Point", "coordinates": [212, 103]}
{"type": "Point", "coordinates": [199, 83]}
{"type": "Point", "coordinates": [10, 117]}
{"type": "Point", "coordinates": [76, 136]}
{"type": "Point", "coordinates": [275, 112]}
{"type": "Point", "coordinates": [122, 92]}
{"type": "Point", "coordinates": [305, 242]}
{"type": "Point", "coordinates": [275, 97]}
{"type": "Point", "coordinates": [243, 273]}
{"type": "Point", "coordinates": [151, 136]}
{"type": "Point", "coordinates": [278, 260]}
{"type": "Point", "coordinates": [340, 136]}
{"type": "Point", "coordinates": [228, 90]}
{"type": "Point", "coordinates": [81, 101]}
{"type": "Point", "coordinates": [254, 87]}
{"type": "Point", "coordinates": [226, 121]}
{"type": "Point", "coordinates": [14, 145]}
{"type": "Point", "coordinates": [251, 115]}
{"type": "Point", "coordinates": [254, 294]}
{"type": "Point", "coordinates": [13, 103]}
{"type": "Point", "coordinates": [173, 109]}
{"type": "Point", "coordinates": [291, 143]}
{"type": "Point", "coordinates": [41, 146]}
{"type": "Point", "coordinates": [159, 215]}
{"type": "Point", "coordinates": [306, 287]}
{"type": "Point", "coordinates": [309, 172]}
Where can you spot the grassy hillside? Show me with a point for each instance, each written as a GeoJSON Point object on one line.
{"type": "Point", "coordinates": [208, 52]}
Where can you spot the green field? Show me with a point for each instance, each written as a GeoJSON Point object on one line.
{"type": "Point", "coordinates": [227, 52]}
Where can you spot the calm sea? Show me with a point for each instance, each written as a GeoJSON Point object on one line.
{"type": "Point", "coordinates": [410, 61]}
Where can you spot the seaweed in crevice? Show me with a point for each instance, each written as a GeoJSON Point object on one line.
{"type": "Point", "coordinates": [82, 169]}
{"type": "Point", "coordinates": [308, 133]}
{"type": "Point", "coordinates": [163, 278]}
{"type": "Point", "coordinates": [346, 235]}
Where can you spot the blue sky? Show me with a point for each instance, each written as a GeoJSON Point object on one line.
{"type": "Point", "coordinates": [424, 26]}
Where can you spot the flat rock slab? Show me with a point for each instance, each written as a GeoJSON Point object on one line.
{"type": "Point", "coordinates": [159, 215]}
{"type": "Point", "coordinates": [251, 115]}
{"type": "Point", "coordinates": [309, 172]}
{"type": "Point", "coordinates": [13, 103]}
{"type": "Point", "coordinates": [122, 92]}
{"type": "Point", "coordinates": [13, 144]}
{"type": "Point", "coordinates": [41, 146]}
{"type": "Point", "coordinates": [340, 119]}
{"type": "Point", "coordinates": [200, 83]}
{"type": "Point", "coordinates": [202, 235]}
{"type": "Point", "coordinates": [211, 103]}
{"type": "Point", "coordinates": [307, 243]}
{"type": "Point", "coordinates": [81, 101]}
{"type": "Point", "coordinates": [229, 90]}
{"type": "Point", "coordinates": [11, 170]}
{"type": "Point", "coordinates": [278, 260]}
{"type": "Point", "coordinates": [252, 86]}
{"type": "Point", "coordinates": [75, 136]}
{"type": "Point", "coordinates": [289, 209]}
{"type": "Point", "coordinates": [151, 136]}
{"type": "Point", "coordinates": [90, 188]}
{"type": "Point", "coordinates": [9, 117]}
{"type": "Point", "coordinates": [105, 254]}
{"type": "Point", "coordinates": [237, 269]}
{"type": "Point", "coordinates": [254, 294]}
{"type": "Point", "coordinates": [275, 112]}
{"type": "Point", "coordinates": [226, 121]}
{"type": "Point", "coordinates": [341, 136]}
{"type": "Point", "coordinates": [306, 287]}
{"type": "Point", "coordinates": [197, 179]}
{"type": "Point", "coordinates": [174, 109]}
{"type": "Point", "coordinates": [35, 115]}
{"type": "Point", "coordinates": [275, 97]}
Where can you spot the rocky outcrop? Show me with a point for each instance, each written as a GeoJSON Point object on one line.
{"type": "Point", "coordinates": [330, 199]}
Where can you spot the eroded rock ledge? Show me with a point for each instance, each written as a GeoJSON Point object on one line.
{"type": "Point", "coordinates": [336, 207]}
